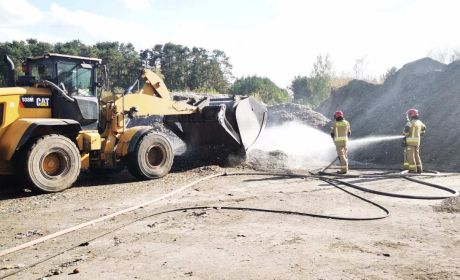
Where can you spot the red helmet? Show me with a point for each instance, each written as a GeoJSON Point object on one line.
{"type": "Point", "coordinates": [338, 114]}
{"type": "Point", "coordinates": [412, 113]}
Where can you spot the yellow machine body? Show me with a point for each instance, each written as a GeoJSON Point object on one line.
{"type": "Point", "coordinates": [22, 108]}
{"type": "Point", "coordinates": [15, 118]}
{"type": "Point", "coordinates": [28, 116]}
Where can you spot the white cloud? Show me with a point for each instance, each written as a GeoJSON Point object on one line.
{"type": "Point", "coordinates": [95, 27]}
{"type": "Point", "coordinates": [18, 13]}
{"type": "Point", "coordinates": [136, 5]}
{"type": "Point", "coordinates": [59, 24]}
{"type": "Point", "coordinates": [10, 34]}
{"type": "Point", "coordinates": [387, 32]}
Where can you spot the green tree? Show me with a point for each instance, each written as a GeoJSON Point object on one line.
{"type": "Point", "coordinates": [75, 47]}
{"type": "Point", "coordinates": [122, 60]}
{"type": "Point", "coordinates": [261, 88]}
{"type": "Point", "coordinates": [300, 89]}
{"type": "Point", "coordinates": [38, 48]}
{"type": "Point", "coordinates": [199, 69]}
{"type": "Point", "coordinates": [175, 65]}
{"type": "Point", "coordinates": [220, 71]}
{"type": "Point", "coordinates": [181, 68]}
{"type": "Point", "coordinates": [194, 69]}
{"type": "Point", "coordinates": [319, 82]}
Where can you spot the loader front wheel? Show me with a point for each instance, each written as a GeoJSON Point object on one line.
{"type": "Point", "coordinates": [152, 158]}
{"type": "Point", "coordinates": [51, 163]}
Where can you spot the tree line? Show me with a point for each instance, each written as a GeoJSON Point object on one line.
{"type": "Point", "coordinates": [189, 69]}
{"type": "Point", "coordinates": [182, 68]}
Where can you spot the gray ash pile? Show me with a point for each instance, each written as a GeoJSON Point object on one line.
{"type": "Point", "coordinates": [292, 112]}
{"type": "Point", "coordinates": [267, 161]}
{"type": "Point", "coordinates": [431, 87]}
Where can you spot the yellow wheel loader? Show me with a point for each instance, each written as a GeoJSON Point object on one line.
{"type": "Point", "coordinates": [53, 123]}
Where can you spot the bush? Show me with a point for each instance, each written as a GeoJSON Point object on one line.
{"type": "Point", "coordinates": [260, 88]}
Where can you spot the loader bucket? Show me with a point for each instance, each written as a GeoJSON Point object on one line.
{"type": "Point", "coordinates": [231, 124]}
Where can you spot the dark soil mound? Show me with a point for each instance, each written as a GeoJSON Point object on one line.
{"type": "Point", "coordinates": [430, 86]}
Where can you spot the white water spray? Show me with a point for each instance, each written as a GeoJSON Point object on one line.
{"type": "Point", "coordinates": [306, 146]}
{"type": "Point", "coordinates": [355, 144]}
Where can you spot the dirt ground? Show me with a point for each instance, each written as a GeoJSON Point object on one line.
{"type": "Point", "coordinates": [419, 240]}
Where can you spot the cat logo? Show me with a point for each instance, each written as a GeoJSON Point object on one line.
{"type": "Point", "coordinates": [31, 101]}
{"type": "Point", "coordinates": [43, 102]}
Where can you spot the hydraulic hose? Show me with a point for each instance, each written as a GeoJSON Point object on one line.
{"type": "Point", "coordinates": [60, 90]}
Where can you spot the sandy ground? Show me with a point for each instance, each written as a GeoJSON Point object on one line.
{"type": "Point", "coordinates": [420, 240]}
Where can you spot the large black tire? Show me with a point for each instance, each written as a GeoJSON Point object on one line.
{"type": "Point", "coordinates": [51, 163]}
{"type": "Point", "coordinates": [152, 158]}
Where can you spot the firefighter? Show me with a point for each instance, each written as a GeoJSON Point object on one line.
{"type": "Point", "coordinates": [412, 133]}
{"type": "Point", "coordinates": [404, 144]}
{"type": "Point", "coordinates": [340, 133]}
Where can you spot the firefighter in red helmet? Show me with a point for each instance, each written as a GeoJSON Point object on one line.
{"type": "Point", "coordinates": [412, 132]}
{"type": "Point", "coordinates": [340, 132]}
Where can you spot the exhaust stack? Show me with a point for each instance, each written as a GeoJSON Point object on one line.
{"type": "Point", "coordinates": [10, 78]}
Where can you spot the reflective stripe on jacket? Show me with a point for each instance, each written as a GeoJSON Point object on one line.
{"type": "Point", "coordinates": [416, 129]}
{"type": "Point", "coordinates": [341, 129]}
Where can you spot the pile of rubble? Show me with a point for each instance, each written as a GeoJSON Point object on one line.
{"type": "Point", "coordinates": [288, 112]}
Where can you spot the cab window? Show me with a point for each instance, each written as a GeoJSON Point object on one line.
{"type": "Point", "coordinates": [42, 71]}
{"type": "Point", "coordinates": [76, 77]}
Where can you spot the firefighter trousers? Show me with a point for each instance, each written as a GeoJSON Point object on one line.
{"type": "Point", "coordinates": [342, 152]}
{"type": "Point", "coordinates": [413, 157]}
{"type": "Point", "coordinates": [406, 161]}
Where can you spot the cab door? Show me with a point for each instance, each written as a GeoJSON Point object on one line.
{"type": "Point", "coordinates": [78, 79]}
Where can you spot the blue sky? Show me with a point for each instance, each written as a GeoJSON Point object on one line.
{"type": "Point", "coordinates": [274, 38]}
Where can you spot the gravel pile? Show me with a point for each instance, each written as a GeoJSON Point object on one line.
{"type": "Point", "coordinates": [425, 84]}
{"type": "Point", "coordinates": [267, 161]}
{"type": "Point", "coordinates": [281, 113]}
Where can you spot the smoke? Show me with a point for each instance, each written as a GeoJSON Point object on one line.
{"type": "Point", "coordinates": [307, 147]}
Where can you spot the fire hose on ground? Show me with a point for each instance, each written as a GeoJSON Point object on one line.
{"type": "Point", "coordinates": [402, 175]}
{"type": "Point", "coordinates": [322, 175]}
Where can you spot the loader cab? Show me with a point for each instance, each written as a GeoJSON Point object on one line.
{"type": "Point", "coordinates": [77, 76]}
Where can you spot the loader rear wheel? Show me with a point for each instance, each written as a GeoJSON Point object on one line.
{"type": "Point", "coordinates": [52, 163]}
{"type": "Point", "coordinates": [152, 158]}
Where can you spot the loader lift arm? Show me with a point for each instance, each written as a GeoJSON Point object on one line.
{"type": "Point", "coordinates": [230, 123]}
